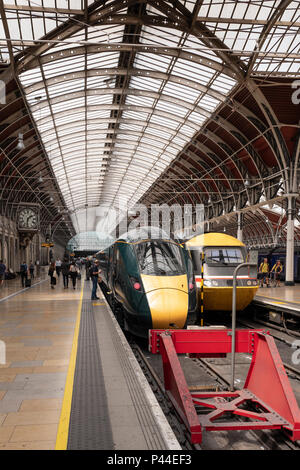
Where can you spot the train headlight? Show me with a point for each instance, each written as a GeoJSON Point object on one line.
{"type": "Point", "coordinates": [207, 283]}
{"type": "Point", "coordinates": [215, 283]}
{"type": "Point", "coordinates": [136, 284]}
{"type": "Point", "coordinates": [249, 283]}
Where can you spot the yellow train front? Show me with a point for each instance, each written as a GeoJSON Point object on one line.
{"type": "Point", "coordinates": [150, 281]}
{"type": "Point", "coordinates": [215, 257]}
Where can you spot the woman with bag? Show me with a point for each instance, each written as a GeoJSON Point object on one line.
{"type": "Point", "coordinates": [73, 274]}
{"type": "Point", "coordinates": [52, 274]}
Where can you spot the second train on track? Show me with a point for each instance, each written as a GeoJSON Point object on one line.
{"type": "Point", "coordinates": [215, 257]}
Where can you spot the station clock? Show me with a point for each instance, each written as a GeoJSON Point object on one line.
{"type": "Point", "coordinates": [28, 219]}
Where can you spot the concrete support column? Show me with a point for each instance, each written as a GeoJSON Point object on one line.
{"type": "Point", "coordinates": [240, 226]}
{"type": "Point", "coordinates": [289, 269]}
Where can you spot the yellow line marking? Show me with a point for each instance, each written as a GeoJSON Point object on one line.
{"type": "Point", "coordinates": [275, 298]}
{"type": "Point", "coordinates": [63, 426]}
{"type": "Point", "coordinates": [98, 303]}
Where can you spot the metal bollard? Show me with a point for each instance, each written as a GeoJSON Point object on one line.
{"type": "Point", "coordinates": [233, 327]}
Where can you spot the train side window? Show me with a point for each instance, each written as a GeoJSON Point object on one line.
{"type": "Point", "coordinates": [102, 258]}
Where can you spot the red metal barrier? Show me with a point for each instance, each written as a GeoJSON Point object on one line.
{"type": "Point", "coordinates": [267, 399]}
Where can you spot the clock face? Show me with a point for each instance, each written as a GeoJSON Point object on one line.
{"type": "Point", "coordinates": [28, 219]}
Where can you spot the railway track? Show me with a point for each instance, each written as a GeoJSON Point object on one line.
{"type": "Point", "coordinates": [266, 440]}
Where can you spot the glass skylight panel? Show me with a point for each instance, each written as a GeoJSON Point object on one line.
{"type": "Point", "coordinates": [207, 103]}
{"type": "Point", "coordinates": [31, 77]}
{"type": "Point", "coordinates": [157, 131]}
{"type": "Point", "coordinates": [140, 115]}
{"type": "Point", "coordinates": [188, 129]}
{"type": "Point", "coordinates": [200, 73]}
{"type": "Point", "coordinates": [102, 60]}
{"type": "Point", "coordinates": [181, 90]}
{"type": "Point", "coordinates": [171, 108]}
{"type": "Point", "coordinates": [197, 118]}
{"type": "Point", "coordinates": [152, 62]}
{"type": "Point", "coordinates": [139, 100]}
{"type": "Point", "coordinates": [97, 113]}
{"type": "Point", "coordinates": [148, 83]}
{"type": "Point", "coordinates": [133, 127]}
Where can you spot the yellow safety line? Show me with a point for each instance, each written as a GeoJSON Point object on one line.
{"type": "Point", "coordinates": [63, 427]}
{"type": "Point", "coordinates": [276, 298]}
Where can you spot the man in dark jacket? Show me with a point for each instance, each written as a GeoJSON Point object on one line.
{"type": "Point", "coordinates": [2, 272]}
{"type": "Point", "coordinates": [88, 265]}
{"type": "Point", "coordinates": [94, 273]}
{"type": "Point", "coordinates": [65, 269]}
{"type": "Point", "coordinates": [23, 272]}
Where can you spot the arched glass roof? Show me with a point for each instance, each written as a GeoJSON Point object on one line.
{"type": "Point", "coordinates": [117, 90]}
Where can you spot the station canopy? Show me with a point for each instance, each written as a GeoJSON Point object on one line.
{"type": "Point", "coordinates": [119, 88]}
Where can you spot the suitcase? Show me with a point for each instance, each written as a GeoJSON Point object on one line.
{"type": "Point", "coordinates": [27, 282]}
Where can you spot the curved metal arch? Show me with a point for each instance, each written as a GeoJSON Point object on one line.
{"type": "Point", "coordinates": [279, 10]}
{"type": "Point", "coordinates": [241, 138]}
{"type": "Point", "coordinates": [68, 147]}
{"type": "Point", "coordinates": [141, 109]}
{"type": "Point", "coordinates": [170, 184]}
{"type": "Point", "coordinates": [20, 165]}
{"type": "Point", "coordinates": [227, 175]}
{"type": "Point", "coordinates": [213, 157]}
{"type": "Point", "coordinates": [257, 124]}
{"type": "Point", "coordinates": [225, 148]}
{"type": "Point", "coordinates": [146, 135]}
{"type": "Point", "coordinates": [106, 14]}
{"type": "Point", "coordinates": [91, 49]}
{"type": "Point", "coordinates": [179, 196]}
{"type": "Point", "coordinates": [128, 92]}
{"type": "Point", "coordinates": [23, 177]}
{"type": "Point", "coordinates": [129, 121]}
{"type": "Point", "coordinates": [245, 112]}
{"type": "Point", "coordinates": [189, 166]}
{"type": "Point", "coordinates": [133, 72]}
{"type": "Point", "coordinates": [271, 120]}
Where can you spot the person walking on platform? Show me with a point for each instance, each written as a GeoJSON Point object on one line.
{"type": "Point", "coordinates": [24, 273]}
{"type": "Point", "coordinates": [58, 267]}
{"type": "Point", "coordinates": [277, 270]}
{"type": "Point", "coordinates": [87, 269]}
{"type": "Point", "coordinates": [73, 273]}
{"type": "Point", "coordinates": [51, 273]}
{"type": "Point", "coordinates": [2, 272]}
{"type": "Point", "coordinates": [264, 272]}
{"type": "Point", "coordinates": [94, 273]}
{"type": "Point", "coordinates": [65, 269]}
{"type": "Point", "coordinates": [31, 270]}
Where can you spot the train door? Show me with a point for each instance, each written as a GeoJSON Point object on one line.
{"type": "Point", "coordinates": [116, 270]}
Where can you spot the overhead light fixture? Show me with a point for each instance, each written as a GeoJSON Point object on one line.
{"type": "Point", "coordinates": [20, 145]}
{"type": "Point", "coordinates": [40, 180]}
{"type": "Point", "coordinates": [51, 199]}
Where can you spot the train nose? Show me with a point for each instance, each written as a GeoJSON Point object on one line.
{"type": "Point", "coordinates": [168, 307]}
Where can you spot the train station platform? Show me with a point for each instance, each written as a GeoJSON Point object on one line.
{"type": "Point", "coordinates": [282, 299]}
{"type": "Point", "coordinates": [69, 379]}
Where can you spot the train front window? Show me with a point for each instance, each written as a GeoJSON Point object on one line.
{"type": "Point", "coordinates": [223, 256]}
{"type": "Point", "coordinates": [159, 258]}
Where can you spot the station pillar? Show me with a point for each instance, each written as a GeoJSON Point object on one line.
{"type": "Point", "coordinates": [239, 226]}
{"type": "Point", "coordinates": [289, 269]}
